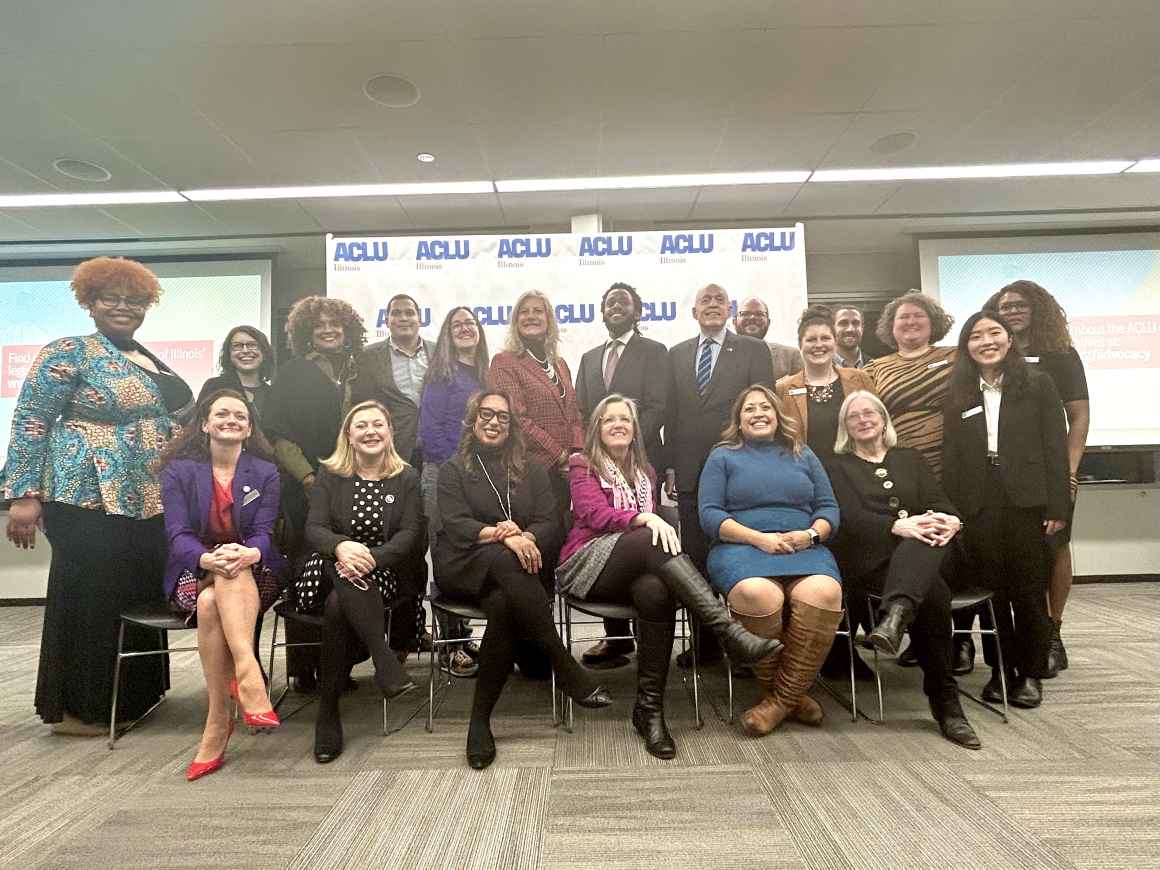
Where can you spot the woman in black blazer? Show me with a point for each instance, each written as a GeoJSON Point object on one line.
{"type": "Point", "coordinates": [1005, 466]}
{"type": "Point", "coordinates": [367, 530]}
{"type": "Point", "coordinates": [896, 524]}
{"type": "Point", "coordinates": [500, 528]}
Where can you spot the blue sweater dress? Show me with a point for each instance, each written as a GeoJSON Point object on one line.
{"type": "Point", "coordinates": [765, 487]}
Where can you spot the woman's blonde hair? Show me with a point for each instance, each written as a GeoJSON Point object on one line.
{"type": "Point", "coordinates": [515, 344]}
{"type": "Point", "coordinates": [844, 443]}
{"type": "Point", "coordinates": [594, 450]}
{"type": "Point", "coordinates": [341, 461]}
{"type": "Point", "coordinates": [787, 434]}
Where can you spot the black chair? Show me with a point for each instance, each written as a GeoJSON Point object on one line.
{"type": "Point", "coordinates": [160, 618]}
{"type": "Point", "coordinates": [565, 604]}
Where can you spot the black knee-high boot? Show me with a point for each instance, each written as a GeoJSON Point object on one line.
{"type": "Point", "coordinates": [363, 610]}
{"type": "Point", "coordinates": [654, 652]}
{"type": "Point", "coordinates": [333, 667]}
{"type": "Point", "coordinates": [496, 656]}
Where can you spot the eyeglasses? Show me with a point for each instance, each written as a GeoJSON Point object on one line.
{"type": "Point", "coordinates": [244, 345]}
{"type": "Point", "coordinates": [1013, 307]}
{"type": "Point", "coordinates": [463, 326]}
{"type": "Point", "coordinates": [115, 300]}
{"type": "Point", "coordinates": [862, 415]}
{"type": "Point", "coordinates": [486, 415]}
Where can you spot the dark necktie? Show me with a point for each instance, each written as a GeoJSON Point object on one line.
{"type": "Point", "coordinates": [610, 364]}
{"type": "Point", "coordinates": [705, 365]}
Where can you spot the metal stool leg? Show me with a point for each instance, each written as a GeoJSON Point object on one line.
{"type": "Point", "coordinates": [116, 685]}
{"type": "Point", "coordinates": [435, 641]}
{"type": "Point", "coordinates": [999, 655]}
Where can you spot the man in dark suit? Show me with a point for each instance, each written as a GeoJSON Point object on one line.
{"type": "Point", "coordinates": [752, 319]}
{"type": "Point", "coordinates": [392, 372]}
{"type": "Point", "coordinates": [636, 367]}
{"type": "Point", "coordinates": [706, 374]}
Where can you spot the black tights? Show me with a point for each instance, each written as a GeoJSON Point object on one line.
{"type": "Point", "coordinates": [517, 609]}
{"type": "Point", "coordinates": [630, 575]}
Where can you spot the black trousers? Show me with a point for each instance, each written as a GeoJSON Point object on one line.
{"type": "Point", "coordinates": [696, 546]}
{"type": "Point", "coordinates": [914, 576]}
{"type": "Point", "coordinates": [101, 564]}
{"type": "Point", "coordinates": [1008, 553]}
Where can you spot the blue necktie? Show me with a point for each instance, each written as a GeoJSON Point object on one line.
{"type": "Point", "coordinates": [704, 365]}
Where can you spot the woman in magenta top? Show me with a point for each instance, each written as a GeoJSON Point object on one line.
{"type": "Point", "coordinates": [620, 551]}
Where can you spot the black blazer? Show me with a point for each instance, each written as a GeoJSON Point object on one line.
{"type": "Point", "coordinates": [467, 504]}
{"type": "Point", "coordinates": [694, 423]}
{"type": "Point", "coordinates": [328, 524]}
{"type": "Point", "coordinates": [376, 380]}
{"type": "Point", "coordinates": [864, 540]}
{"type": "Point", "coordinates": [229, 381]}
{"type": "Point", "coordinates": [642, 374]}
{"type": "Point", "coordinates": [1032, 450]}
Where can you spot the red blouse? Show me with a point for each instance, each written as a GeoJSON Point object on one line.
{"type": "Point", "coordinates": [221, 515]}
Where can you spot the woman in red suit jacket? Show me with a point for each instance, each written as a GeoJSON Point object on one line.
{"type": "Point", "coordinates": [530, 370]}
{"type": "Point", "coordinates": [220, 492]}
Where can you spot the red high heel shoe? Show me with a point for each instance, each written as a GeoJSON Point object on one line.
{"type": "Point", "coordinates": [256, 722]}
{"type": "Point", "coordinates": [198, 769]}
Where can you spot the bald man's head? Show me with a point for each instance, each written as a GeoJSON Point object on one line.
{"type": "Point", "coordinates": [752, 318]}
{"type": "Point", "coordinates": [711, 307]}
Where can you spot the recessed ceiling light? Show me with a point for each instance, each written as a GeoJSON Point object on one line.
{"type": "Point", "coordinates": [143, 197]}
{"type": "Point", "coordinates": [628, 182]}
{"type": "Point", "coordinates": [81, 170]}
{"type": "Point", "coordinates": [425, 157]}
{"type": "Point", "coordinates": [392, 91]}
{"type": "Point", "coordinates": [338, 190]}
{"type": "Point", "coordinates": [996, 170]}
{"type": "Point", "coordinates": [893, 143]}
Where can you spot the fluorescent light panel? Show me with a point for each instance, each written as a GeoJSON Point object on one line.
{"type": "Point", "coordinates": [48, 200]}
{"type": "Point", "coordinates": [1150, 165]}
{"type": "Point", "coordinates": [996, 170]}
{"type": "Point", "coordinates": [227, 194]}
{"type": "Point", "coordinates": [633, 182]}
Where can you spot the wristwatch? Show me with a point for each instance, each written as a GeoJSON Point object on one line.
{"type": "Point", "coordinates": [815, 538]}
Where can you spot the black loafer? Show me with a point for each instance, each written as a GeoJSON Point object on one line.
{"type": "Point", "coordinates": [1028, 693]}
{"type": "Point", "coordinates": [605, 654]}
{"type": "Point", "coordinates": [595, 699]}
{"type": "Point", "coordinates": [908, 658]}
{"type": "Point", "coordinates": [480, 746]}
{"type": "Point", "coordinates": [993, 691]}
{"type": "Point", "coordinates": [964, 660]}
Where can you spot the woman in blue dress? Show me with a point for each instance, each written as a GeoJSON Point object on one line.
{"type": "Point", "coordinates": [767, 507]}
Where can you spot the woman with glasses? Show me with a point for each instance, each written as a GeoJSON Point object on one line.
{"type": "Point", "coordinates": [500, 531]}
{"type": "Point", "coordinates": [93, 414]}
{"type": "Point", "coordinates": [896, 524]}
{"type": "Point", "coordinates": [458, 368]}
{"type": "Point", "coordinates": [1041, 333]}
{"type": "Point", "coordinates": [247, 365]}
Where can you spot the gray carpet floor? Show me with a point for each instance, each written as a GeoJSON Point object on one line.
{"type": "Point", "coordinates": [1074, 784]}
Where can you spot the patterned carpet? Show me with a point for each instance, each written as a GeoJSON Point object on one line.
{"type": "Point", "coordinates": [1075, 784]}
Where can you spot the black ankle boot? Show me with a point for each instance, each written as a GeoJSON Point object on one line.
{"type": "Point", "coordinates": [887, 635]}
{"type": "Point", "coordinates": [480, 744]}
{"type": "Point", "coordinates": [687, 585]}
{"type": "Point", "coordinates": [952, 721]}
{"type": "Point", "coordinates": [327, 734]}
{"type": "Point", "coordinates": [652, 670]}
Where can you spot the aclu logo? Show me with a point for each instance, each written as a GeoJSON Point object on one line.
{"type": "Point", "coordinates": [443, 249]}
{"type": "Point", "coordinates": [493, 315]}
{"type": "Point", "coordinates": [653, 311]}
{"type": "Point", "coordinates": [680, 244]}
{"type": "Point", "coordinates": [523, 248]}
{"type": "Point", "coordinates": [381, 318]}
{"type": "Point", "coordinates": [568, 312]}
{"type": "Point", "coordinates": [360, 252]}
{"type": "Point", "coordinates": [605, 246]}
{"type": "Point", "coordinates": [767, 243]}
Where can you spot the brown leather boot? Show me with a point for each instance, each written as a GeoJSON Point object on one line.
{"type": "Point", "coordinates": [808, 638]}
{"type": "Point", "coordinates": [770, 625]}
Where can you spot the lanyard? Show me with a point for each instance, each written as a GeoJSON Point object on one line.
{"type": "Point", "coordinates": [506, 508]}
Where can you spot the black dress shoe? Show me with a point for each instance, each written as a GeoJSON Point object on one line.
{"type": "Point", "coordinates": [650, 724]}
{"type": "Point", "coordinates": [327, 737]}
{"type": "Point", "coordinates": [480, 745]}
{"type": "Point", "coordinates": [595, 699]}
{"type": "Point", "coordinates": [952, 722]}
{"type": "Point", "coordinates": [1028, 693]}
{"type": "Point", "coordinates": [305, 683]}
{"type": "Point", "coordinates": [887, 635]}
{"type": "Point", "coordinates": [993, 691]}
{"type": "Point", "coordinates": [908, 658]}
{"type": "Point", "coordinates": [606, 654]}
{"type": "Point", "coordinates": [964, 658]}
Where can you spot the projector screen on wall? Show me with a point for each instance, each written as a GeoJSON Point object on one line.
{"type": "Point", "coordinates": [1109, 285]}
{"type": "Point", "coordinates": [200, 301]}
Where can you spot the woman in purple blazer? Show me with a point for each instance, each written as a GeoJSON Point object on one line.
{"type": "Point", "coordinates": [219, 489]}
{"type": "Point", "coordinates": [619, 550]}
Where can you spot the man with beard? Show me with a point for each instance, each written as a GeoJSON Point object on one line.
{"type": "Point", "coordinates": [848, 336]}
{"type": "Point", "coordinates": [706, 374]}
{"type": "Point", "coordinates": [752, 319]}
{"type": "Point", "coordinates": [637, 368]}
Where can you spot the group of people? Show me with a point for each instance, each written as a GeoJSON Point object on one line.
{"type": "Point", "coordinates": [805, 480]}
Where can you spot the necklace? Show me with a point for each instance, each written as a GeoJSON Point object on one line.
{"type": "Point", "coordinates": [506, 508]}
{"type": "Point", "coordinates": [820, 394]}
{"type": "Point", "coordinates": [550, 371]}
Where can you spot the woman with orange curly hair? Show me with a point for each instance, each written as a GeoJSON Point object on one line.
{"type": "Point", "coordinates": [303, 416]}
{"type": "Point", "coordinates": [92, 416]}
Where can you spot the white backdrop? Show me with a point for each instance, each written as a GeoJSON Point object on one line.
{"type": "Point", "coordinates": [488, 273]}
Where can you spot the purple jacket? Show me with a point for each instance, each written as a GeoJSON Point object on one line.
{"type": "Point", "coordinates": [592, 512]}
{"type": "Point", "coordinates": [187, 497]}
{"type": "Point", "coordinates": [441, 414]}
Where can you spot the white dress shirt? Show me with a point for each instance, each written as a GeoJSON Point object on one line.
{"type": "Point", "coordinates": [992, 399]}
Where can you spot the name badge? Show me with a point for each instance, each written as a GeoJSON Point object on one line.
{"type": "Point", "coordinates": [1031, 359]}
{"type": "Point", "coordinates": [250, 496]}
{"type": "Point", "coordinates": [978, 409]}
{"type": "Point", "coordinates": [798, 391]}
{"type": "Point", "coordinates": [939, 364]}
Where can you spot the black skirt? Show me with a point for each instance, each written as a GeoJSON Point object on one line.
{"type": "Point", "coordinates": [101, 565]}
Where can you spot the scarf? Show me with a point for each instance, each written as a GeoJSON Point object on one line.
{"type": "Point", "coordinates": [627, 498]}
